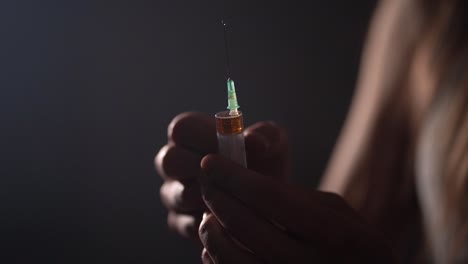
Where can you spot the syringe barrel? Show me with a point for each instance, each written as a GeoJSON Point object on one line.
{"type": "Point", "coordinates": [230, 136]}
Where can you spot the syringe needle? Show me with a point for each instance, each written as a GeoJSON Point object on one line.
{"type": "Point", "coordinates": [230, 124]}
{"type": "Point", "coordinates": [226, 49]}
{"type": "Point", "coordinates": [232, 98]}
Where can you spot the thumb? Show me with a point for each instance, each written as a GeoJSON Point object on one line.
{"type": "Point", "coordinates": [267, 150]}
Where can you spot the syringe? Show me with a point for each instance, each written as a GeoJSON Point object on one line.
{"type": "Point", "coordinates": [230, 124]}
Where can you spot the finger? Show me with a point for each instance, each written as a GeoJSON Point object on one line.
{"type": "Point", "coordinates": [302, 213]}
{"type": "Point", "coordinates": [184, 225]}
{"type": "Point", "coordinates": [257, 234]}
{"type": "Point", "coordinates": [273, 138]}
{"type": "Point", "coordinates": [182, 198]}
{"type": "Point", "coordinates": [177, 163]}
{"type": "Point", "coordinates": [195, 131]}
{"type": "Point", "coordinates": [220, 248]}
{"type": "Point", "coordinates": [267, 150]}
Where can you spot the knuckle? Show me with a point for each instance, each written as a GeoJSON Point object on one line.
{"type": "Point", "coordinates": [160, 160]}
{"type": "Point", "coordinates": [210, 239]}
{"type": "Point", "coordinates": [163, 159]}
{"type": "Point", "coordinates": [165, 196]}
{"type": "Point", "coordinates": [170, 193]}
{"type": "Point", "coordinates": [205, 229]}
{"type": "Point", "coordinates": [229, 222]}
{"type": "Point", "coordinates": [180, 197]}
{"type": "Point", "coordinates": [184, 225]}
{"type": "Point", "coordinates": [178, 123]}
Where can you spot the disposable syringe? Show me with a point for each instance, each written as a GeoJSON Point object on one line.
{"type": "Point", "coordinates": [230, 124]}
{"type": "Point", "coordinates": [230, 128]}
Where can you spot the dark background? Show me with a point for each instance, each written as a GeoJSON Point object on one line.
{"type": "Point", "coordinates": [88, 88]}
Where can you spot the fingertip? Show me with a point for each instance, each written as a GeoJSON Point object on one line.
{"type": "Point", "coordinates": [209, 162]}
{"type": "Point", "coordinates": [266, 136]}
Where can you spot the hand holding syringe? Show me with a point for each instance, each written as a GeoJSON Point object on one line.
{"type": "Point", "coordinates": [274, 222]}
{"type": "Point", "coordinates": [194, 135]}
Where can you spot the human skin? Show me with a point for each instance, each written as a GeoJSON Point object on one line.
{"type": "Point", "coordinates": [255, 215]}
{"type": "Point", "coordinates": [190, 137]}
{"type": "Point", "coordinates": [371, 167]}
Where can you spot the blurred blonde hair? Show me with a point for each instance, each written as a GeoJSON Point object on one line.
{"type": "Point", "coordinates": [414, 61]}
{"type": "Point", "coordinates": [446, 23]}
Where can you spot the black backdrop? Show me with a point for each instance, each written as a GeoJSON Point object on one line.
{"type": "Point", "coordinates": [87, 89]}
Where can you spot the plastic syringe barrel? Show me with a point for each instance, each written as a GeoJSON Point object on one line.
{"type": "Point", "coordinates": [230, 136]}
